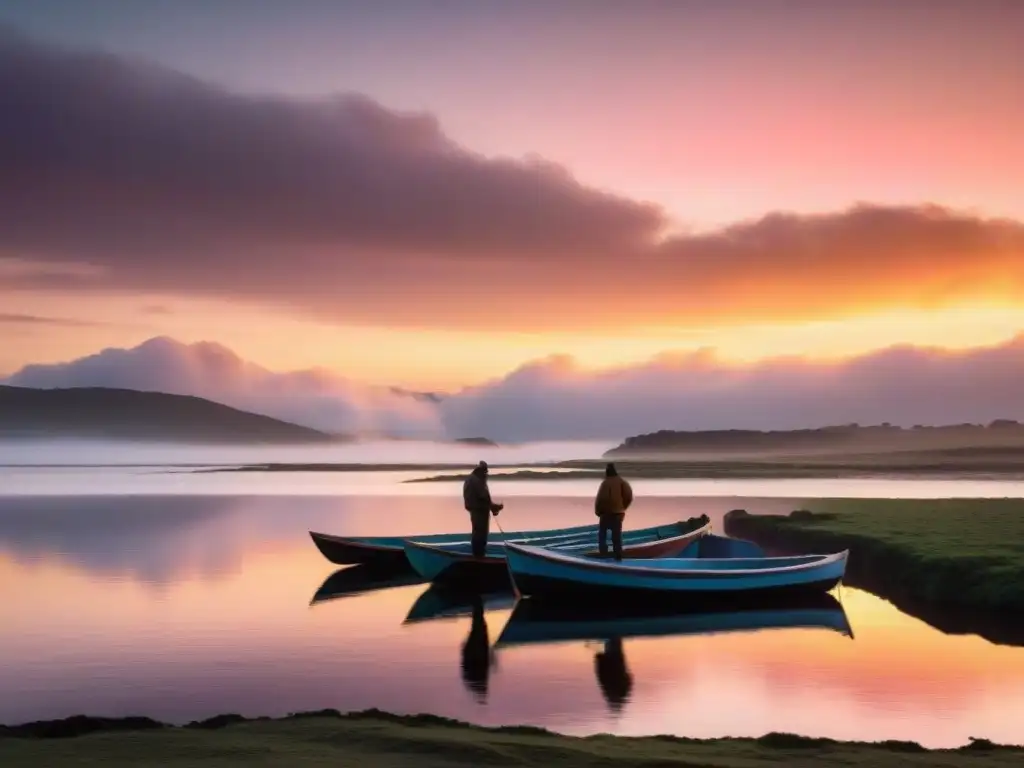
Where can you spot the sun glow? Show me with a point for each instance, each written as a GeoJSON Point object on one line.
{"type": "Point", "coordinates": [448, 360]}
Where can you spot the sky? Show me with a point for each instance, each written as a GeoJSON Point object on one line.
{"type": "Point", "coordinates": [433, 195]}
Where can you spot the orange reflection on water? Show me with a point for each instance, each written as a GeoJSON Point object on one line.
{"type": "Point", "coordinates": [244, 638]}
{"type": "Point", "coordinates": [899, 678]}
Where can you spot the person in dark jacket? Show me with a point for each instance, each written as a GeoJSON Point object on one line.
{"type": "Point", "coordinates": [476, 497]}
{"type": "Point", "coordinates": [610, 505]}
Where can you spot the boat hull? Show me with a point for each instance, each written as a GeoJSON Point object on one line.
{"type": "Point", "coordinates": [455, 564]}
{"type": "Point", "coordinates": [390, 550]}
{"type": "Point", "coordinates": [554, 574]}
{"type": "Point", "coordinates": [352, 551]}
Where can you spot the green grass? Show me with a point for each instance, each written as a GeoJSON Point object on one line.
{"type": "Point", "coordinates": [378, 740]}
{"type": "Point", "coordinates": [963, 553]}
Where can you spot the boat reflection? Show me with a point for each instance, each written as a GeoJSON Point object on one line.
{"type": "Point", "coordinates": [477, 657]}
{"type": "Point", "coordinates": [442, 602]}
{"type": "Point", "coordinates": [534, 621]}
{"type": "Point", "coordinates": [358, 579]}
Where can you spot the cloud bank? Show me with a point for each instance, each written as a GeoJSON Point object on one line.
{"type": "Point", "coordinates": [555, 399]}
{"type": "Point", "coordinates": [312, 398]}
{"type": "Point", "coordinates": [122, 175]}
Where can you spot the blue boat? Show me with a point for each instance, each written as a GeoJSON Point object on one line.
{"type": "Point", "coordinates": [701, 571]}
{"type": "Point", "coordinates": [390, 550]}
{"type": "Point", "coordinates": [538, 622]}
{"type": "Point", "coordinates": [456, 562]}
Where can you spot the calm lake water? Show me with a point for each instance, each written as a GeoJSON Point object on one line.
{"type": "Point", "coordinates": [180, 596]}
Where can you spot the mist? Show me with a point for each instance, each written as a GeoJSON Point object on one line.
{"type": "Point", "coordinates": [556, 402]}
{"type": "Point", "coordinates": [71, 452]}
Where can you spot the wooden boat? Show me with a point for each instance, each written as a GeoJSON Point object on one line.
{"type": "Point", "coordinates": [539, 622]}
{"type": "Point", "coordinates": [360, 579]}
{"type": "Point", "coordinates": [437, 602]}
{"type": "Point", "coordinates": [389, 550]}
{"type": "Point", "coordinates": [456, 561]}
{"type": "Point", "coordinates": [541, 571]}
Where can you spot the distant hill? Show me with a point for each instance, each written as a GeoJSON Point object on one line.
{"type": "Point", "coordinates": [126, 414]}
{"type": "Point", "coordinates": [834, 439]}
{"type": "Point", "coordinates": [423, 397]}
{"type": "Point", "coordinates": [483, 442]}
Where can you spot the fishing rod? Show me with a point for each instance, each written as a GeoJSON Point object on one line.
{"type": "Point", "coordinates": [512, 578]}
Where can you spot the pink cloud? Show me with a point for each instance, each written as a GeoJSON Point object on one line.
{"type": "Point", "coordinates": [555, 399]}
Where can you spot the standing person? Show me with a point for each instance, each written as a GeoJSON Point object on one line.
{"type": "Point", "coordinates": [476, 497]}
{"type": "Point", "coordinates": [610, 505]}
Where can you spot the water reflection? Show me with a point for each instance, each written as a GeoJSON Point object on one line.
{"type": "Point", "coordinates": [545, 622]}
{"type": "Point", "coordinates": [612, 674]}
{"type": "Point", "coordinates": [359, 579]}
{"type": "Point", "coordinates": [477, 656]}
{"type": "Point", "coordinates": [153, 540]}
{"type": "Point", "coordinates": [82, 629]}
{"type": "Point", "coordinates": [537, 622]}
{"type": "Point", "coordinates": [444, 602]}
{"type": "Point", "coordinates": [158, 540]}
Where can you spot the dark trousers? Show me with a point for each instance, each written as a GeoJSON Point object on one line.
{"type": "Point", "coordinates": [481, 528]}
{"type": "Point", "coordinates": [612, 523]}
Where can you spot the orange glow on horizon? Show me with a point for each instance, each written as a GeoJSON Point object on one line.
{"type": "Point", "coordinates": [448, 360]}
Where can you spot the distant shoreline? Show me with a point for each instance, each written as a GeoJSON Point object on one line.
{"type": "Point", "coordinates": [980, 465]}
{"type": "Point", "coordinates": [725, 472]}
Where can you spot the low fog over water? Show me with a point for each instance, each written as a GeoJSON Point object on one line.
{"type": "Point", "coordinates": [102, 452]}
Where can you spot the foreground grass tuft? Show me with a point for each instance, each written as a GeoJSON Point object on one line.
{"type": "Point", "coordinates": [377, 739]}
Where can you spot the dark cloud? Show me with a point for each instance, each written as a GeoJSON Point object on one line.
{"type": "Point", "coordinates": [347, 210]}
{"type": "Point", "coordinates": [124, 163]}
{"type": "Point", "coordinates": [554, 399]}
{"type": "Point", "coordinates": [18, 319]}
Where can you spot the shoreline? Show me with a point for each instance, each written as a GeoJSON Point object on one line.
{"type": "Point", "coordinates": [377, 738]}
{"type": "Point", "coordinates": [951, 563]}
{"type": "Point", "coordinates": [588, 469]}
{"type": "Point", "coordinates": [763, 472]}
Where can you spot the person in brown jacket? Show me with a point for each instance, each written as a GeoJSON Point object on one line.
{"type": "Point", "coordinates": [610, 505]}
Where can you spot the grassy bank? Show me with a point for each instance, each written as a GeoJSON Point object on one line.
{"type": "Point", "coordinates": [375, 739]}
{"type": "Point", "coordinates": [956, 561]}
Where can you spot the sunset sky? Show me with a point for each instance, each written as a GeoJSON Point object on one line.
{"type": "Point", "coordinates": [431, 194]}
